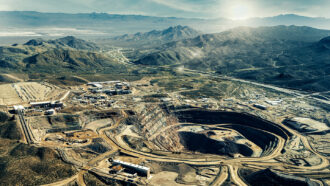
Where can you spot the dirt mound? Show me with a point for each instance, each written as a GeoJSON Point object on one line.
{"type": "Point", "coordinates": [98, 147]}
{"type": "Point", "coordinates": [102, 114]}
{"type": "Point", "coordinates": [66, 119]}
{"type": "Point", "coordinates": [6, 79]}
{"type": "Point", "coordinates": [135, 143]}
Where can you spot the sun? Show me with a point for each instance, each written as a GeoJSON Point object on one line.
{"type": "Point", "coordinates": [240, 10]}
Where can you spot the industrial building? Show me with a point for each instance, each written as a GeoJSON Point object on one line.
{"type": "Point", "coordinates": [50, 112]}
{"type": "Point", "coordinates": [47, 104]}
{"type": "Point", "coordinates": [40, 104]}
{"type": "Point", "coordinates": [262, 107]}
{"type": "Point", "coordinates": [277, 102]}
{"type": "Point", "coordinates": [110, 87]}
{"type": "Point", "coordinates": [103, 82]}
{"type": "Point", "coordinates": [117, 92]}
{"type": "Point", "coordinates": [140, 170]}
{"type": "Point", "coordinates": [18, 108]}
{"type": "Point", "coordinates": [95, 84]}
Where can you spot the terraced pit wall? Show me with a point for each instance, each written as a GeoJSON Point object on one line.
{"type": "Point", "coordinates": [151, 120]}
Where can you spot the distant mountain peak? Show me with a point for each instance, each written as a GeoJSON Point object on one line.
{"type": "Point", "coordinates": [179, 28]}
{"type": "Point", "coordinates": [35, 42]}
{"type": "Point", "coordinates": [156, 37]}
{"type": "Point", "coordinates": [298, 16]}
{"type": "Point", "coordinates": [70, 38]}
{"type": "Point", "coordinates": [289, 15]}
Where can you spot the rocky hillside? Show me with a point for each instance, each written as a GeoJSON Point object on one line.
{"type": "Point", "coordinates": [286, 55]}
{"type": "Point", "coordinates": [155, 37]}
{"type": "Point", "coordinates": [21, 164]}
{"type": "Point", "coordinates": [324, 44]}
{"type": "Point", "coordinates": [67, 59]}
{"type": "Point", "coordinates": [67, 54]}
{"type": "Point", "coordinates": [69, 42]}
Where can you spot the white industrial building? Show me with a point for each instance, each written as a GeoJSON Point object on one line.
{"type": "Point", "coordinates": [277, 102]}
{"type": "Point", "coordinates": [140, 170]}
{"type": "Point", "coordinates": [50, 112]}
{"type": "Point", "coordinates": [18, 108]}
{"type": "Point", "coordinates": [40, 104]}
{"type": "Point", "coordinates": [96, 84]}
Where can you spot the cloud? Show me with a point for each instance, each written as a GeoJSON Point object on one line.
{"type": "Point", "coordinates": [179, 8]}
{"type": "Point", "coordinates": [187, 6]}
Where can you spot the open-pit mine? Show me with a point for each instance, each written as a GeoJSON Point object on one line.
{"type": "Point", "coordinates": [138, 133]}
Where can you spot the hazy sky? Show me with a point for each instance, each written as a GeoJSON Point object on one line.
{"type": "Point", "coordinates": [236, 9]}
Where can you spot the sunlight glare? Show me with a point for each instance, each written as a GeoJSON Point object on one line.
{"type": "Point", "coordinates": [240, 10]}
